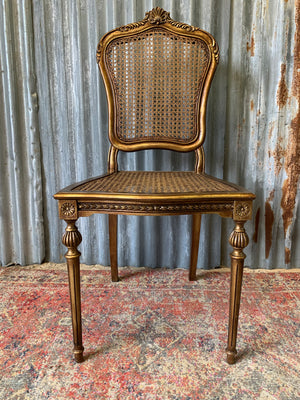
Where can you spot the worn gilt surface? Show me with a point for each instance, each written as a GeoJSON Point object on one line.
{"type": "Point", "coordinates": [242, 210]}
{"type": "Point", "coordinates": [146, 193]}
{"type": "Point", "coordinates": [155, 208]}
{"type": "Point", "coordinates": [67, 209]}
{"type": "Point", "coordinates": [158, 16]}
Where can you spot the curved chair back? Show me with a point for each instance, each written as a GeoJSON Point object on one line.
{"type": "Point", "coordinates": [157, 74]}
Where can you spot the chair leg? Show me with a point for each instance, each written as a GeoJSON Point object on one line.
{"type": "Point", "coordinates": [71, 239]}
{"type": "Point", "coordinates": [196, 227]}
{"type": "Point", "coordinates": [238, 240]}
{"type": "Point", "coordinates": [113, 246]}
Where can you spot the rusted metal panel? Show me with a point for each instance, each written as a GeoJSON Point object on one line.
{"type": "Point", "coordinates": [48, 58]}
{"type": "Point", "coordinates": [263, 125]}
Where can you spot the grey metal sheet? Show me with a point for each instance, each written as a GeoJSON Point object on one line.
{"type": "Point", "coordinates": [54, 129]}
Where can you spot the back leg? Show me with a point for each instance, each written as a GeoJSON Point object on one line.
{"type": "Point", "coordinates": [113, 246]}
{"type": "Point", "coordinates": [196, 227]}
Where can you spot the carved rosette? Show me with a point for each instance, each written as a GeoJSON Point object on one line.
{"type": "Point", "coordinates": [242, 210]}
{"type": "Point", "coordinates": [67, 209]}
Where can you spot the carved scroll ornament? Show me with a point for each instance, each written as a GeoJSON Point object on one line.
{"type": "Point", "coordinates": [158, 16]}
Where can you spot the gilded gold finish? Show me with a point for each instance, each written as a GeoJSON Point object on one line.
{"type": "Point", "coordinates": [67, 209]}
{"type": "Point", "coordinates": [71, 239]}
{"type": "Point", "coordinates": [157, 74]}
{"type": "Point", "coordinates": [242, 210]}
{"type": "Point", "coordinates": [238, 240]}
{"type": "Point", "coordinates": [130, 39]}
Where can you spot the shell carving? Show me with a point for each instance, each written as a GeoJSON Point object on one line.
{"type": "Point", "coordinates": [157, 16]}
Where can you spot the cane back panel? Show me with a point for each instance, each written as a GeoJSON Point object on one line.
{"type": "Point", "coordinates": [157, 78]}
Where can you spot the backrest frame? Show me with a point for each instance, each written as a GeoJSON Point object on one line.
{"type": "Point", "coordinates": [160, 19]}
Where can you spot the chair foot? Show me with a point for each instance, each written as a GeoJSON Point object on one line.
{"type": "Point", "coordinates": [230, 357]}
{"type": "Point", "coordinates": [192, 277]}
{"type": "Point", "coordinates": [78, 355]}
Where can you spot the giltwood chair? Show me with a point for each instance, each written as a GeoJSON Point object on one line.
{"type": "Point", "coordinates": [157, 75]}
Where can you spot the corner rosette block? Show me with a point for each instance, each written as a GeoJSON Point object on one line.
{"type": "Point", "coordinates": [242, 210]}
{"type": "Point", "coordinates": [67, 209]}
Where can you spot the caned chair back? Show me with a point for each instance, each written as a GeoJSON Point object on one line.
{"type": "Point", "coordinates": [157, 74]}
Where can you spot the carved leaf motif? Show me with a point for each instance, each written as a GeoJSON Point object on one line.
{"type": "Point", "coordinates": [99, 50]}
{"type": "Point", "coordinates": [133, 25]}
{"type": "Point", "coordinates": [159, 16]}
{"type": "Point", "coordinates": [156, 208]}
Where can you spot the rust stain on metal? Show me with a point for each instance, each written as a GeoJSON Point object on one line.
{"type": "Point", "coordinates": [271, 195]}
{"type": "Point", "coordinates": [292, 160]}
{"type": "Point", "coordinates": [282, 92]}
{"type": "Point", "coordinates": [287, 255]}
{"type": "Point", "coordinates": [288, 200]}
{"type": "Point", "coordinates": [252, 105]}
{"type": "Point", "coordinates": [257, 216]}
{"type": "Point", "coordinates": [279, 153]}
{"type": "Point", "coordinates": [272, 126]}
{"type": "Point", "coordinates": [269, 220]}
{"type": "Point", "coordinates": [258, 144]}
{"type": "Point", "coordinates": [251, 45]}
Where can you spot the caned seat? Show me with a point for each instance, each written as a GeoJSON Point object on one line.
{"type": "Point", "coordinates": [157, 74]}
{"type": "Point", "coordinates": [156, 183]}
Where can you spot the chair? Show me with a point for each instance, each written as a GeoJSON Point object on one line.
{"type": "Point", "coordinates": [157, 74]}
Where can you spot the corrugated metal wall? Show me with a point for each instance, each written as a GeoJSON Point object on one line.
{"type": "Point", "coordinates": [54, 129]}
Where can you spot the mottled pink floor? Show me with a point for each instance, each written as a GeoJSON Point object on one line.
{"type": "Point", "coordinates": [153, 335]}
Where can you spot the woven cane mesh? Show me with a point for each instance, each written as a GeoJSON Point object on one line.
{"type": "Point", "coordinates": [154, 182]}
{"type": "Point", "coordinates": [157, 78]}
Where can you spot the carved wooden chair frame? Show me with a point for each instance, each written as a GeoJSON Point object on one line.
{"type": "Point", "coordinates": [235, 203]}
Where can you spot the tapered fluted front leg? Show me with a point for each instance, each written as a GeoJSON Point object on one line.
{"type": "Point", "coordinates": [71, 239]}
{"type": "Point", "coordinates": [238, 240]}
